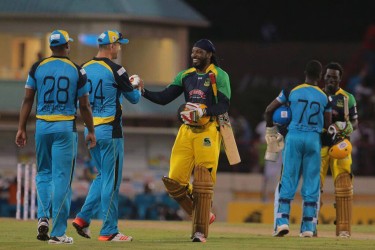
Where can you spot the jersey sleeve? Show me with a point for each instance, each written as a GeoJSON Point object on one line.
{"type": "Point", "coordinates": [282, 97]}
{"type": "Point", "coordinates": [121, 78]}
{"type": "Point", "coordinates": [31, 81]}
{"type": "Point", "coordinates": [353, 114]}
{"type": "Point", "coordinates": [133, 96]}
{"type": "Point", "coordinates": [223, 84]}
{"type": "Point", "coordinates": [170, 93]}
{"type": "Point", "coordinates": [83, 87]}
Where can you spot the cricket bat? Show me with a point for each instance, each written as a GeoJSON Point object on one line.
{"type": "Point", "coordinates": [346, 109]}
{"type": "Point", "coordinates": [226, 131]}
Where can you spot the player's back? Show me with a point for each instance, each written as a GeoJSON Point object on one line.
{"type": "Point", "coordinates": [308, 104]}
{"type": "Point", "coordinates": [57, 81]}
{"type": "Point", "coordinates": [105, 99]}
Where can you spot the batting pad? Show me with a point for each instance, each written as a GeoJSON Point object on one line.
{"type": "Point", "coordinates": [344, 199]}
{"type": "Point", "coordinates": [203, 186]}
{"type": "Point", "coordinates": [180, 194]}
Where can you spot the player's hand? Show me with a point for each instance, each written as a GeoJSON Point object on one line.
{"type": "Point", "coordinates": [21, 138]}
{"type": "Point", "coordinates": [196, 107]}
{"type": "Point", "coordinates": [189, 116]}
{"type": "Point", "coordinates": [90, 140]}
{"type": "Point", "coordinates": [275, 143]}
{"type": "Point", "coordinates": [346, 128]}
{"type": "Point", "coordinates": [341, 129]}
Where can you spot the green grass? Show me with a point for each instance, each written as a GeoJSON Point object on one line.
{"type": "Point", "coordinates": [176, 235]}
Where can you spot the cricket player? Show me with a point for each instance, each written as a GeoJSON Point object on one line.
{"type": "Point", "coordinates": [197, 145]}
{"type": "Point", "coordinates": [59, 84]}
{"type": "Point", "coordinates": [340, 168]}
{"type": "Point", "coordinates": [109, 83]}
{"type": "Point", "coordinates": [311, 112]}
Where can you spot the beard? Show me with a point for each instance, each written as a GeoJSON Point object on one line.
{"type": "Point", "coordinates": [331, 89]}
{"type": "Point", "coordinates": [200, 65]}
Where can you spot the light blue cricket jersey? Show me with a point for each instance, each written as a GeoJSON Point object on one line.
{"type": "Point", "coordinates": [59, 83]}
{"type": "Point", "coordinates": [308, 104]}
{"type": "Point", "coordinates": [108, 83]}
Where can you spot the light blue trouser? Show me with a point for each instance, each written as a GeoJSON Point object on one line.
{"type": "Point", "coordinates": [108, 156]}
{"type": "Point", "coordinates": [301, 157]}
{"type": "Point", "coordinates": [56, 155]}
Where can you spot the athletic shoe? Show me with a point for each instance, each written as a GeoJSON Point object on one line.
{"type": "Point", "coordinates": [306, 234]}
{"type": "Point", "coordinates": [43, 228]}
{"type": "Point", "coordinates": [199, 237]}
{"type": "Point", "coordinates": [344, 234]}
{"type": "Point", "coordinates": [281, 231]}
{"type": "Point", "coordinates": [119, 237]}
{"type": "Point", "coordinates": [61, 240]}
{"type": "Point", "coordinates": [212, 218]}
{"type": "Point", "coordinates": [82, 227]}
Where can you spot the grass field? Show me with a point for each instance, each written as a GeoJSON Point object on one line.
{"type": "Point", "coordinates": [176, 235]}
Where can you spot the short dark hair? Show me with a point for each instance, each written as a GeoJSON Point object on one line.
{"type": "Point", "coordinates": [59, 47]}
{"type": "Point", "coordinates": [313, 69]}
{"type": "Point", "coordinates": [334, 66]}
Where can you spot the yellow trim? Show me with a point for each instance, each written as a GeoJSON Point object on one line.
{"type": "Point", "coordinates": [99, 62]}
{"type": "Point", "coordinates": [342, 92]}
{"type": "Point", "coordinates": [65, 34]}
{"type": "Point", "coordinates": [53, 118]}
{"type": "Point", "coordinates": [103, 120]}
{"type": "Point", "coordinates": [305, 85]}
{"type": "Point", "coordinates": [212, 68]}
{"type": "Point", "coordinates": [112, 36]}
{"type": "Point", "coordinates": [61, 59]}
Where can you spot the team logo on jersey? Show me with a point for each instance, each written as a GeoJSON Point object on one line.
{"type": "Point", "coordinates": [340, 103]}
{"type": "Point", "coordinates": [121, 71]}
{"type": "Point", "coordinates": [207, 142]}
{"type": "Point", "coordinates": [207, 82]}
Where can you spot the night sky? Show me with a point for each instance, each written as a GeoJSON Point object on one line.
{"type": "Point", "coordinates": [303, 20]}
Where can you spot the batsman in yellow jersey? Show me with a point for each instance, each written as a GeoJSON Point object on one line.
{"type": "Point", "coordinates": [336, 147]}
{"type": "Point", "coordinates": [197, 145]}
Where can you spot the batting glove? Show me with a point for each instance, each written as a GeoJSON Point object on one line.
{"type": "Point", "coordinates": [189, 117]}
{"type": "Point", "coordinates": [275, 143]}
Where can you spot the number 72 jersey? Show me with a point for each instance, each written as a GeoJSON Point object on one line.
{"type": "Point", "coordinates": [308, 103]}
{"type": "Point", "coordinates": [59, 83]}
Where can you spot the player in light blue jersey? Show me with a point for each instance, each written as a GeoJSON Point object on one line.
{"type": "Point", "coordinates": [311, 113]}
{"type": "Point", "coordinates": [109, 83]}
{"type": "Point", "coordinates": [60, 84]}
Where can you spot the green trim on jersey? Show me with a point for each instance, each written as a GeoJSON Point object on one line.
{"type": "Point", "coordinates": [222, 79]}
{"type": "Point", "coordinates": [351, 99]}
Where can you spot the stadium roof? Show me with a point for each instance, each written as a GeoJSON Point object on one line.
{"type": "Point", "coordinates": [172, 12]}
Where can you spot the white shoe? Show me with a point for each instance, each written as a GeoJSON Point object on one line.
{"type": "Point", "coordinates": [119, 237]}
{"type": "Point", "coordinates": [306, 234]}
{"type": "Point", "coordinates": [281, 231]}
{"type": "Point", "coordinates": [344, 234]}
{"type": "Point", "coordinates": [199, 237]}
{"type": "Point", "coordinates": [61, 240]}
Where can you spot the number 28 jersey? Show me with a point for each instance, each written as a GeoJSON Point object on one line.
{"type": "Point", "coordinates": [308, 103]}
{"type": "Point", "coordinates": [58, 83]}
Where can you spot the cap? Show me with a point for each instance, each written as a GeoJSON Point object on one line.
{"type": "Point", "coordinates": [205, 44]}
{"type": "Point", "coordinates": [111, 36]}
{"type": "Point", "coordinates": [59, 37]}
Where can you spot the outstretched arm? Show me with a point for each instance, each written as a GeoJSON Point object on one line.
{"type": "Point", "coordinates": [165, 96]}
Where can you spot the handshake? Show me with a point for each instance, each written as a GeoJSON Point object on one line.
{"type": "Point", "coordinates": [340, 129]}
{"type": "Point", "coordinates": [275, 143]}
